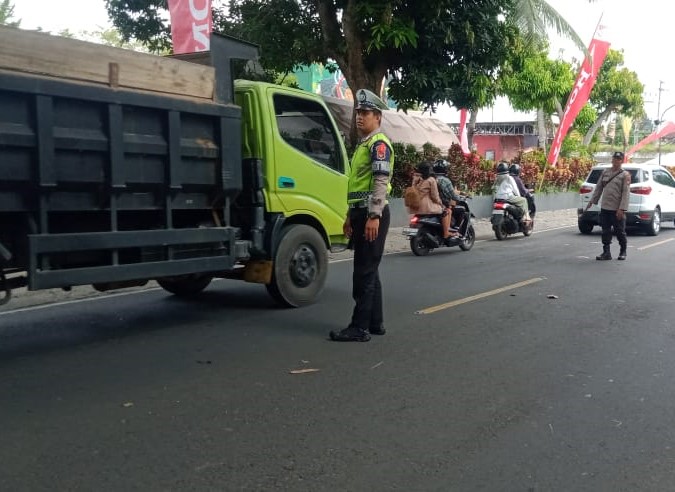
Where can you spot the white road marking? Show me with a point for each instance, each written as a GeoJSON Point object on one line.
{"type": "Point", "coordinates": [642, 248]}
{"type": "Point", "coordinates": [451, 304]}
{"type": "Point", "coordinates": [77, 301]}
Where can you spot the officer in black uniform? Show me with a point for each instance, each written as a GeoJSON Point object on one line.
{"type": "Point", "coordinates": [367, 220]}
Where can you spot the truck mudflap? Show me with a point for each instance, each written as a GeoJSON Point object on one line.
{"type": "Point", "coordinates": [258, 271]}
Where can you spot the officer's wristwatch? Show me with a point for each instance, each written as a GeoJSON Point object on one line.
{"type": "Point", "coordinates": [373, 215]}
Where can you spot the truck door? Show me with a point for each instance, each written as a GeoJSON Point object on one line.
{"type": "Point", "coordinates": [310, 161]}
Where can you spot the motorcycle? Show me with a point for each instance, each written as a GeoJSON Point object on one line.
{"type": "Point", "coordinates": [507, 219]}
{"type": "Point", "coordinates": [426, 231]}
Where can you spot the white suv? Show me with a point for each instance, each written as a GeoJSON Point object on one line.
{"type": "Point", "coordinates": [652, 198]}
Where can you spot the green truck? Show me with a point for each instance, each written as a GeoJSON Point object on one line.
{"type": "Point", "coordinates": [117, 168]}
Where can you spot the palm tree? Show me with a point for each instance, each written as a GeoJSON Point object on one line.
{"type": "Point", "coordinates": [534, 18]}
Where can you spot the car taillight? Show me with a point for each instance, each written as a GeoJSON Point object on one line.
{"type": "Point", "coordinates": [585, 189]}
{"type": "Point", "coordinates": [641, 190]}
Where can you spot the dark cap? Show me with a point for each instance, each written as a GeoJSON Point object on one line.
{"type": "Point", "coordinates": [369, 101]}
{"type": "Point", "coordinates": [617, 155]}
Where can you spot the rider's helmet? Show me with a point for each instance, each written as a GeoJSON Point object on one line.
{"type": "Point", "coordinates": [514, 169]}
{"type": "Point", "coordinates": [441, 166]}
{"type": "Point", "coordinates": [502, 168]}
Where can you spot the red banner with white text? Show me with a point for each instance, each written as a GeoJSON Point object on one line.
{"type": "Point", "coordinates": [191, 25]}
{"type": "Point", "coordinates": [666, 129]}
{"type": "Point", "coordinates": [580, 92]}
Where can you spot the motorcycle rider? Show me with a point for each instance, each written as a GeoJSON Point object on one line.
{"type": "Point", "coordinates": [447, 193]}
{"type": "Point", "coordinates": [514, 172]}
{"type": "Point", "coordinates": [505, 188]}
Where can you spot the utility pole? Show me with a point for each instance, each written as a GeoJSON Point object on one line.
{"type": "Point", "coordinates": [658, 115]}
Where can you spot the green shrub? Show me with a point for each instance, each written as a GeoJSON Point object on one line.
{"type": "Point", "coordinates": [473, 174]}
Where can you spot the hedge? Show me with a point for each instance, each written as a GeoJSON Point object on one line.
{"type": "Point", "coordinates": [472, 173]}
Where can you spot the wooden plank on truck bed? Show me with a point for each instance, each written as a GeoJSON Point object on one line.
{"type": "Point", "coordinates": [55, 56]}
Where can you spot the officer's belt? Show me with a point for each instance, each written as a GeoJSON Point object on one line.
{"type": "Point", "coordinates": [359, 204]}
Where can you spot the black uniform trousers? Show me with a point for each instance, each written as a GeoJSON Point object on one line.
{"type": "Point", "coordinates": [608, 220]}
{"type": "Point", "coordinates": [367, 289]}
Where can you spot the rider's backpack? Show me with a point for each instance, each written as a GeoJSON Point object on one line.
{"type": "Point", "coordinates": [412, 198]}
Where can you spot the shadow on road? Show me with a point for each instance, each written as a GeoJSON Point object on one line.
{"type": "Point", "coordinates": [102, 319]}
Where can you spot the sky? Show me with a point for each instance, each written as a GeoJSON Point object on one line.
{"type": "Point", "coordinates": [643, 30]}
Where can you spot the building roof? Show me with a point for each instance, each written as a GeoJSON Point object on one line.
{"type": "Point", "coordinates": [399, 127]}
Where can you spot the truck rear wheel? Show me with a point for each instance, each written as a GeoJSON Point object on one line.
{"type": "Point", "coordinates": [185, 285]}
{"type": "Point", "coordinates": [300, 266]}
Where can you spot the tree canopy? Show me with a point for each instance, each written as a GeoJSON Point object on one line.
{"type": "Point", "coordinates": [7, 14]}
{"type": "Point", "coordinates": [437, 51]}
{"type": "Point", "coordinates": [617, 90]}
{"type": "Point", "coordinates": [532, 80]}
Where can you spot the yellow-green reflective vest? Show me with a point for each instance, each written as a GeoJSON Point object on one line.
{"type": "Point", "coordinates": [361, 176]}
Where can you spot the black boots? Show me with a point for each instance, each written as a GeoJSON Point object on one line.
{"type": "Point", "coordinates": [349, 334]}
{"type": "Point", "coordinates": [622, 253]}
{"type": "Point", "coordinates": [606, 255]}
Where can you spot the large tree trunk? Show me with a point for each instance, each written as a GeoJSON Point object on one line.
{"type": "Point", "coordinates": [558, 109]}
{"type": "Point", "coordinates": [349, 51]}
{"type": "Point", "coordinates": [541, 128]}
{"type": "Point", "coordinates": [471, 128]}
{"type": "Point", "coordinates": [594, 127]}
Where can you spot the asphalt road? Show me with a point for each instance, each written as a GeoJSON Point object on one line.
{"type": "Point", "coordinates": [522, 365]}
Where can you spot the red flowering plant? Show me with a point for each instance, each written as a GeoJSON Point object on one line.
{"type": "Point", "coordinates": [472, 174]}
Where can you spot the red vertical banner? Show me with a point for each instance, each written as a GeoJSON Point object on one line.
{"type": "Point", "coordinates": [662, 131]}
{"type": "Point", "coordinates": [463, 133]}
{"type": "Point", "coordinates": [191, 25]}
{"type": "Point", "coordinates": [581, 91]}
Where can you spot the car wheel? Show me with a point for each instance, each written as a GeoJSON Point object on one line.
{"type": "Point", "coordinates": [654, 226]}
{"type": "Point", "coordinates": [585, 227]}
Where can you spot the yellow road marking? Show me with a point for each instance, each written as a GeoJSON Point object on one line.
{"type": "Point", "coordinates": [655, 244]}
{"type": "Point", "coordinates": [489, 293]}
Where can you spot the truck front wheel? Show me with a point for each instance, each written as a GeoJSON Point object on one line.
{"type": "Point", "coordinates": [300, 266]}
{"type": "Point", "coordinates": [185, 285]}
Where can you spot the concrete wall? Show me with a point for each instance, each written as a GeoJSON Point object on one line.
{"type": "Point", "coordinates": [481, 206]}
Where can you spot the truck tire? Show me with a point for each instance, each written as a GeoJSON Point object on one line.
{"type": "Point", "coordinates": [300, 266]}
{"type": "Point", "coordinates": [185, 285]}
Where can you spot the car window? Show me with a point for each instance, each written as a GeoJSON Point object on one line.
{"type": "Point", "coordinates": [635, 175]}
{"type": "Point", "coordinates": [594, 175]}
{"type": "Point", "coordinates": [663, 177]}
{"type": "Point", "coordinates": [306, 126]}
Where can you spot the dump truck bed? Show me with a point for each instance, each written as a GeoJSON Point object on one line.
{"type": "Point", "coordinates": [114, 165]}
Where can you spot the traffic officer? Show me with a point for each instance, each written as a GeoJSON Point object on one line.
{"type": "Point", "coordinates": [614, 186]}
{"type": "Point", "coordinates": [367, 220]}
